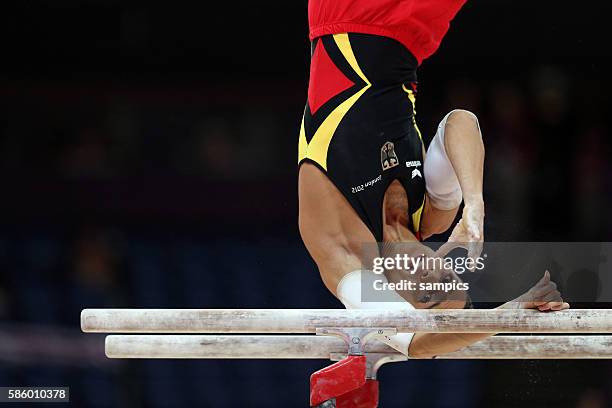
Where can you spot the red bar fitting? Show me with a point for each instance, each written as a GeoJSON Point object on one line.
{"type": "Point", "coordinates": [346, 382]}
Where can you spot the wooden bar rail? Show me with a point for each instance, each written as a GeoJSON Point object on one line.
{"type": "Point", "coordinates": [322, 347]}
{"type": "Point", "coordinates": [303, 321]}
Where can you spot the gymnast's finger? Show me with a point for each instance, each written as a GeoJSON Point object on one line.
{"type": "Point", "coordinates": [545, 307]}
{"type": "Point", "coordinates": [563, 306]}
{"type": "Point", "coordinates": [550, 306]}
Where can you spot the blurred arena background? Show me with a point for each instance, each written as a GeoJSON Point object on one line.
{"type": "Point", "coordinates": [148, 158]}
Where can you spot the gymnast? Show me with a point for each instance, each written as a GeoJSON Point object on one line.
{"type": "Point", "coordinates": [364, 175]}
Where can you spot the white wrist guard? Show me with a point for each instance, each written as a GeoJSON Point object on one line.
{"type": "Point", "coordinates": [349, 292]}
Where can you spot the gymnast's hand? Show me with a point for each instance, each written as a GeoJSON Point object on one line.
{"type": "Point", "coordinates": [544, 296]}
{"type": "Point", "coordinates": [468, 233]}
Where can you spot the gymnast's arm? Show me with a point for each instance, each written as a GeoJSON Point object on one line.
{"type": "Point", "coordinates": [544, 296]}
{"type": "Point", "coordinates": [453, 173]}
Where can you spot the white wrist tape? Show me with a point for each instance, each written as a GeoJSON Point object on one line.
{"type": "Point", "coordinates": [441, 181]}
{"type": "Point", "coordinates": [349, 292]}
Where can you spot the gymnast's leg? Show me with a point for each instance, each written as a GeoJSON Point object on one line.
{"type": "Point", "coordinates": [331, 230]}
{"type": "Point", "coordinates": [334, 236]}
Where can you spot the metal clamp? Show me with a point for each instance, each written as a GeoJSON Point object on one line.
{"type": "Point", "coordinates": [357, 337]}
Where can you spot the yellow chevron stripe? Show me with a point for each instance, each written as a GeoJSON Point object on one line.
{"type": "Point", "coordinates": [342, 40]}
{"type": "Point", "coordinates": [416, 217]}
{"type": "Point", "coordinates": [319, 145]}
{"type": "Point", "coordinates": [412, 98]}
{"type": "Point", "coordinates": [302, 143]}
